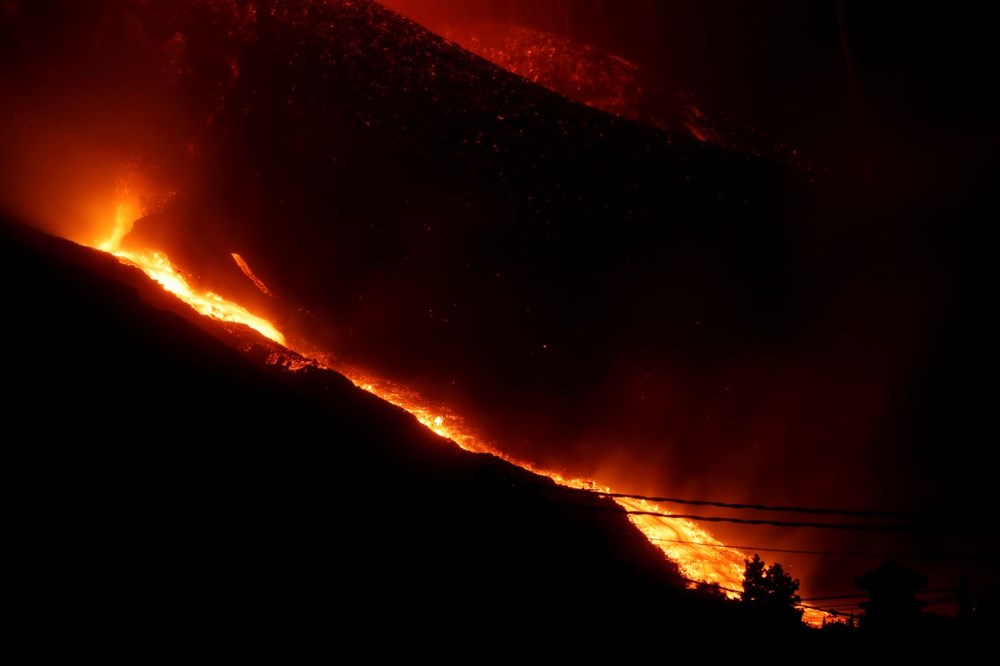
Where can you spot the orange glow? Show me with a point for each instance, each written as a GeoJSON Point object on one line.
{"type": "Point", "coordinates": [158, 267]}
{"type": "Point", "coordinates": [245, 267]}
{"type": "Point", "coordinates": [700, 557]}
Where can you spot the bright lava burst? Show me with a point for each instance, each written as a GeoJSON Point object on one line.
{"type": "Point", "coordinates": [159, 268]}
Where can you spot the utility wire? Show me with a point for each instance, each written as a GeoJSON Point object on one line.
{"type": "Point", "coordinates": [912, 527]}
{"type": "Point", "coordinates": [778, 550]}
{"type": "Point", "coordinates": [927, 515]}
{"type": "Point", "coordinates": [700, 583]}
{"type": "Point", "coordinates": [909, 528]}
{"type": "Point", "coordinates": [936, 590]}
{"type": "Point", "coordinates": [800, 509]}
{"type": "Point", "coordinates": [826, 553]}
{"type": "Point", "coordinates": [838, 609]}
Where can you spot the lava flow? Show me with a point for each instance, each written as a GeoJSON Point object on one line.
{"type": "Point", "coordinates": [700, 557]}
{"type": "Point", "coordinates": [159, 268]}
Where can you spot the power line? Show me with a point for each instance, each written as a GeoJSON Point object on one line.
{"type": "Point", "coordinates": [778, 550]}
{"type": "Point", "coordinates": [841, 608]}
{"type": "Point", "coordinates": [842, 526]}
{"type": "Point", "coordinates": [827, 553]}
{"type": "Point", "coordinates": [926, 515]}
{"type": "Point", "coordinates": [936, 590]}
{"type": "Point", "coordinates": [701, 583]}
{"type": "Point", "coordinates": [740, 592]}
{"type": "Point", "coordinates": [827, 607]}
{"type": "Point", "coordinates": [839, 596]}
{"type": "Point", "coordinates": [797, 509]}
{"type": "Point", "coordinates": [907, 528]}
{"type": "Point", "coordinates": [913, 527]}
{"type": "Point", "coordinates": [835, 608]}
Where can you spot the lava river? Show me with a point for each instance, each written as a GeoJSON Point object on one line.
{"type": "Point", "coordinates": [700, 557]}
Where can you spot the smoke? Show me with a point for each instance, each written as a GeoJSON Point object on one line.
{"type": "Point", "coordinates": [101, 96]}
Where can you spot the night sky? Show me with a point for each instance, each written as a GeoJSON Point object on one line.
{"type": "Point", "coordinates": [798, 320]}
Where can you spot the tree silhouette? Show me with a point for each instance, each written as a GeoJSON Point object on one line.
{"type": "Point", "coordinates": [770, 591]}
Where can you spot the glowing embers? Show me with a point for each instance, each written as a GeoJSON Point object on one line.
{"type": "Point", "coordinates": [583, 73]}
{"type": "Point", "coordinates": [159, 268]}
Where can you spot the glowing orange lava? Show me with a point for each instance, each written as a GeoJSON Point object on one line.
{"type": "Point", "coordinates": [700, 557]}
{"type": "Point", "coordinates": [158, 267]}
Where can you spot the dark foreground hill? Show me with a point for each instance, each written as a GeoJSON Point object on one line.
{"type": "Point", "coordinates": [595, 294]}
{"type": "Point", "coordinates": [168, 488]}
{"type": "Point", "coordinates": [171, 490]}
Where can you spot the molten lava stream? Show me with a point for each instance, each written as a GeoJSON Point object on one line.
{"type": "Point", "coordinates": [700, 557]}
{"type": "Point", "coordinates": [159, 268]}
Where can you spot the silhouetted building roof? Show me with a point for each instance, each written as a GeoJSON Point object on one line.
{"type": "Point", "coordinates": [892, 589]}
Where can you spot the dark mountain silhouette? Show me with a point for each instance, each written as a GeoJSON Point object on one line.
{"type": "Point", "coordinates": [593, 293]}
{"type": "Point", "coordinates": [169, 487]}
{"type": "Point", "coordinates": [172, 489]}
{"type": "Point", "coordinates": [446, 223]}
{"type": "Point", "coordinates": [175, 489]}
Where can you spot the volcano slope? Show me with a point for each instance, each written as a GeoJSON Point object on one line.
{"type": "Point", "coordinates": [172, 487]}
{"type": "Point", "coordinates": [422, 212]}
{"type": "Point", "coordinates": [595, 294]}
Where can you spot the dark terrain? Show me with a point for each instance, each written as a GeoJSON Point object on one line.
{"type": "Point", "coordinates": [594, 294]}
{"type": "Point", "coordinates": [168, 489]}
